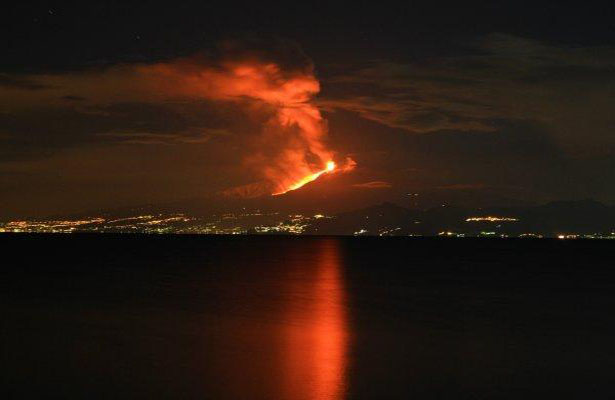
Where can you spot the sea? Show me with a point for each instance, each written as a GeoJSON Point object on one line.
{"type": "Point", "coordinates": [292, 317]}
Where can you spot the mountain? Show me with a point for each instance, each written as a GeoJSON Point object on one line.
{"type": "Point", "coordinates": [552, 219]}
{"type": "Point", "coordinates": [370, 220]}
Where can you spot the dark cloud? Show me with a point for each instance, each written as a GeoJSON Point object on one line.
{"type": "Point", "coordinates": [498, 78]}
{"type": "Point", "coordinates": [517, 159]}
{"type": "Point", "coordinates": [17, 82]}
{"type": "Point", "coordinates": [41, 131]}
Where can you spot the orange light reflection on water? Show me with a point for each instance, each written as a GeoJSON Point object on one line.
{"type": "Point", "coordinates": [316, 337]}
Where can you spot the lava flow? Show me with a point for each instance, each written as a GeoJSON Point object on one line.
{"type": "Point", "coordinates": [310, 178]}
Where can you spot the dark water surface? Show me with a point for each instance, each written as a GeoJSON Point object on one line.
{"type": "Point", "coordinates": [305, 318]}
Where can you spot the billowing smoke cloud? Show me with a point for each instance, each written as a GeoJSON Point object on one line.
{"type": "Point", "coordinates": [280, 84]}
{"type": "Point", "coordinates": [291, 144]}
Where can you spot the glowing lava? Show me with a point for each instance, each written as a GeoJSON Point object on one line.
{"type": "Point", "coordinates": [310, 178]}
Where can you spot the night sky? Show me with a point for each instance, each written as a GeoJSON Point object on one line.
{"type": "Point", "coordinates": [105, 106]}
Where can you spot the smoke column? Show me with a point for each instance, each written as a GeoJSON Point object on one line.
{"type": "Point", "coordinates": [292, 142]}
{"type": "Point", "coordinates": [287, 150]}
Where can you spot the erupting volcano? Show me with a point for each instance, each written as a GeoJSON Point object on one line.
{"type": "Point", "coordinates": [310, 178]}
{"type": "Point", "coordinates": [290, 145]}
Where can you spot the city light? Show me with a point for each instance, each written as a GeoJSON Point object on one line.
{"type": "Point", "coordinates": [257, 221]}
{"type": "Point", "coordinates": [491, 219]}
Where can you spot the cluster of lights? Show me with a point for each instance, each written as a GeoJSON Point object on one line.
{"type": "Point", "coordinates": [451, 234]}
{"type": "Point", "coordinates": [244, 223]}
{"type": "Point", "coordinates": [296, 224]}
{"type": "Point", "coordinates": [140, 223]}
{"type": "Point", "coordinates": [491, 219]}
{"type": "Point", "coordinates": [531, 235]}
{"type": "Point", "coordinates": [49, 226]}
{"type": "Point", "coordinates": [388, 232]}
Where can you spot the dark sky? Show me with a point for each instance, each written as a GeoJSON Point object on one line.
{"type": "Point", "coordinates": [513, 99]}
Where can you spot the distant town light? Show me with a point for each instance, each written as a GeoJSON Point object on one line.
{"type": "Point", "coordinates": [491, 219]}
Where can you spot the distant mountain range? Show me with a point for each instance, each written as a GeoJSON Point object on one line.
{"type": "Point", "coordinates": [584, 217]}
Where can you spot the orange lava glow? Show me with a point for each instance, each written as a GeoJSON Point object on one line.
{"type": "Point", "coordinates": [292, 137]}
{"type": "Point", "coordinates": [262, 105]}
{"type": "Point", "coordinates": [310, 178]}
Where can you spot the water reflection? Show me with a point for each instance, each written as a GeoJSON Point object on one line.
{"type": "Point", "coordinates": [264, 318]}
{"type": "Point", "coordinates": [268, 318]}
{"type": "Point", "coordinates": [315, 336]}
